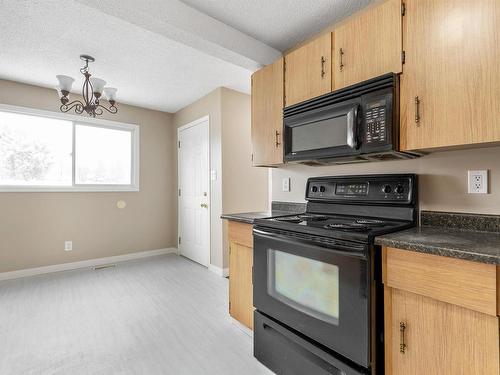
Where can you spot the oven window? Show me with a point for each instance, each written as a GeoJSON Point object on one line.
{"type": "Point", "coordinates": [331, 132]}
{"type": "Point", "coordinates": [307, 285]}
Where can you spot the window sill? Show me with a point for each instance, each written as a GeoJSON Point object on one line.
{"type": "Point", "coordinates": [68, 189]}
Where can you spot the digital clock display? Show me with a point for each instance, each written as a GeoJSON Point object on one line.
{"type": "Point", "coordinates": [352, 189]}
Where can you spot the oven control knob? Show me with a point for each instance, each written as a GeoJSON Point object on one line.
{"type": "Point", "coordinates": [322, 189]}
{"type": "Point", "coordinates": [314, 189]}
{"type": "Point", "coordinates": [387, 189]}
{"type": "Point", "coordinates": [400, 189]}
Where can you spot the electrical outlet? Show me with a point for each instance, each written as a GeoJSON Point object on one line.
{"type": "Point", "coordinates": [478, 182]}
{"type": "Point", "coordinates": [286, 184]}
{"type": "Point", "coordinates": [68, 245]}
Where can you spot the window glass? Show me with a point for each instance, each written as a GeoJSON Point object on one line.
{"type": "Point", "coordinates": [35, 150]}
{"type": "Point", "coordinates": [103, 155]}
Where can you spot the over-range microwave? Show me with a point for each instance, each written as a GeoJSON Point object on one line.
{"type": "Point", "coordinates": [354, 124]}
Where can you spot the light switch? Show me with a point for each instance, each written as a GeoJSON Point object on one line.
{"type": "Point", "coordinates": [286, 184]}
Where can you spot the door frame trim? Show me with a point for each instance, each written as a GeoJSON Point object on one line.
{"type": "Point", "coordinates": [179, 130]}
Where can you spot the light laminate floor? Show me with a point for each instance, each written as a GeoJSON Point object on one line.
{"type": "Point", "coordinates": [160, 315]}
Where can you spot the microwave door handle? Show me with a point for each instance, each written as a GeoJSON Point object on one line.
{"type": "Point", "coordinates": [352, 116]}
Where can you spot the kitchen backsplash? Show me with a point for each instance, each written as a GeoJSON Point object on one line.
{"type": "Point", "coordinates": [442, 179]}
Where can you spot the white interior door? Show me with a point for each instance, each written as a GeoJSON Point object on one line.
{"type": "Point", "coordinates": [194, 194]}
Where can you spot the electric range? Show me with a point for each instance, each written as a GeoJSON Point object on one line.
{"type": "Point", "coordinates": [317, 275]}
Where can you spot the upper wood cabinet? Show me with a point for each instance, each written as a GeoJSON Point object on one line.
{"type": "Point", "coordinates": [267, 115]}
{"type": "Point", "coordinates": [308, 70]}
{"type": "Point", "coordinates": [368, 45]}
{"type": "Point", "coordinates": [450, 87]}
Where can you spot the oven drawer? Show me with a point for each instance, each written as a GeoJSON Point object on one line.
{"type": "Point", "coordinates": [284, 352]}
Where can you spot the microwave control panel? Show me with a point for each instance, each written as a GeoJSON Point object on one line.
{"type": "Point", "coordinates": [376, 121]}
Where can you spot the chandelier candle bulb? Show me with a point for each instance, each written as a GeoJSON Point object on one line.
{"type": "Point", "coordinates": [91, 91]}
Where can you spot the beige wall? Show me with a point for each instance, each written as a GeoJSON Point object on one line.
{"type": "Point", "coordinates": [443, 179]}
{"type": "Point", "coordinates": [239, 187]}
{"type": "Point", "coordinates": [209, 105]}
{"type": "Point", "coordinates": [244, 187]}
{"type": "Point", "coordinates": [34, 226]}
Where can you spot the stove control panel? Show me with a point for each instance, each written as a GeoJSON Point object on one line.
{"type": "Point", "coordinates": [395, 188]}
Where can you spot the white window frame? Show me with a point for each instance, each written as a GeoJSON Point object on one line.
{"type": "Point", "coordinates": [88, 121]}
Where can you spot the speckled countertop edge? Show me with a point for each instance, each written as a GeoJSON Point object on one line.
{"type": "Point", "coordinates": [277, 209]}
{"type": "Point", "coordinates": [471, 237]}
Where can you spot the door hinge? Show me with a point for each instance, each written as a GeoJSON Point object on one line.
{"type": "Point", "coordinates": [252, 157]}
{"type": "Point", "coordinates": [180, 240]}
{"type": "Point", "coordinates": [229, 306]}
{"type": "Point", "coordinates": [179, 192]}
{"type": "Point", "coordinates": [403, 9]}
{"type": "Point", "coordinates": [229, 249]}
{"type": "Point", "coordinates": [179, 144]}
{"type": "Point", "coordinates": [403, 57]}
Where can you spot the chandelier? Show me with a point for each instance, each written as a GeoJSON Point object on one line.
{"type": "Point", "coordinates": [92, 91]}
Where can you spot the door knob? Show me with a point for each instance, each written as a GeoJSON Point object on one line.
{"type": "Point", "coordinates": [204, 205]}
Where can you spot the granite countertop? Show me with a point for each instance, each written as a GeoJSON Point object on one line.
{"type": "Point", "coordinates": [277, 209]}
{"type": "Point", "coordinates": [464, 243]}
{"type": "Point", "coordinates": [249, 217]}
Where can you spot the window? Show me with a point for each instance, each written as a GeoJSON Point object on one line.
{"type": "Point", "coordinates": [43, 151]}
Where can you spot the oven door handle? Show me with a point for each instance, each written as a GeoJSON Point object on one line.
{"type": "Point", "coordinates": [336, 249]}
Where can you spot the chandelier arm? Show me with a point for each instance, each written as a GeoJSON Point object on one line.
{"type": "Point", "coordinates": [112, 109]}
{"type": "Point", "coordinates": [76, 104]}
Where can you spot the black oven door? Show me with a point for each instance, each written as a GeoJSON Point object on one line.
{"type": "Point", "coordinates": [329, 131]}
{"type": "Point", "coordinates": [319, 288]}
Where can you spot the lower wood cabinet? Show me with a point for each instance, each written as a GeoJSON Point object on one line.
{"type": "Point", "coordinates": [426, 335]}
{"type": "Point", "coordinates": [240, 272]}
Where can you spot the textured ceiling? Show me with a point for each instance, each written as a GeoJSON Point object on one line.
{"type": "Point", "coordinates": [278, 23]}
{"type": "Point", "coordinates": [162, 55]}
{"type": "Point", "coordinates": [40, 39]}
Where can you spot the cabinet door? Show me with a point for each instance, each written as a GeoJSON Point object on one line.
{"type": "Point", "coordinates": [240, 283]}
{"type": "Point", "coordinates": [308, 70]}
{"type": "Point", "coordinates": [440, 338]}
{"type": "Point", "coordinates": [369, 45]}
{"type": "Point", "coordinates": [267, 115]}
{"type": "Point", "coordinates": [450, 87]}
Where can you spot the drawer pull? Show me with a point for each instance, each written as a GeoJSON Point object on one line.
{"type": "Point", "coordinates": [323, 72]}
{"type": "Point", "coordinates": [341, 62]}
{"type": "Point", "coordinates": [402, 345]}
{"type": "Point", "coordinates": [417, 110]}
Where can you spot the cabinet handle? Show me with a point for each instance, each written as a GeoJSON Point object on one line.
{"type": "Point", "coordinates": [402, 345]}
{"type": "Point", "coordinates": [323, 72]}
{"type": "Point", "coordinates": [277, 138]}
{"type": "Point", "coordinates": [417, 110]}
{"type": "Point", "coordinates": [341, 55]}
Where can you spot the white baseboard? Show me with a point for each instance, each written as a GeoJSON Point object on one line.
{"type": "Point", "coordinates": [83, 264]}
{"type": "Point", "coordinates": [224, 272]}
{"type": "Point", "coordinates": [242, 327]}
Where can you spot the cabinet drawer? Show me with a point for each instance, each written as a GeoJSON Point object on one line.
{"type": "Point", "coordinates": [240, 233]}
{"type": "Point", "coordinates": [468, 284]}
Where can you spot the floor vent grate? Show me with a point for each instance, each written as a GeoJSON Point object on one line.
{"type": "Point", "coordinates": [97, 268]}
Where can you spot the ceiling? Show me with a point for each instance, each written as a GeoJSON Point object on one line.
{"type": "Point", "coordinates": [162, 55]}
{"type": "Point", "coordinates": [280, 24]}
